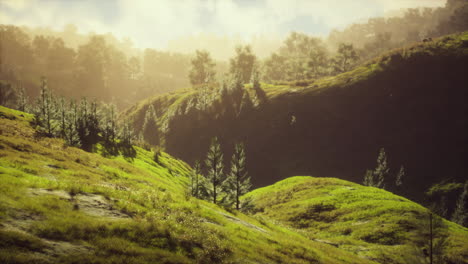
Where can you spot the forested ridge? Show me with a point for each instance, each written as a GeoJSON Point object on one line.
{"type": "Point", "coordinates": [334, 126]}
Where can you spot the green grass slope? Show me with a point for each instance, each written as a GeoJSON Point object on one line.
{"type": "Point", "coordinates": [366, 221]}
{"type": "Point", "coordinates": [59, 204]}
{"type": "Point", "coordinates": [411, 101]}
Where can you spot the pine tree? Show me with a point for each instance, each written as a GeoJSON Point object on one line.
{"type": "Point", "coordinates": [150, 129]}
{"type": "Point", "coordinates": [195, 180]}
{"type": "Point", "coordinates": [381, 170]}
{"type": "Point", "coordinates": [214, 164]}
{"type": "Point", "coordinates": [46, 109]}
{"type": "Point", "coordinates": [238, 182]}
{"type": "Point", "coordinates": [62, 117]}
{"type": "Point", "coordinates": [433, 235]}
{"type": "Point", "coordinates": [369, 178]}
{"type": "Point", "coordinates": [109, 124]}
{"type": "Point", "coordinates": [399, 177]}
{"type": "Point", "coordinates": [376, 178]}
{"type": "Point", "coordinates": [460, 215]}
{"type": "Point", "coordinates": [71, 135]}
{"type": "Point", "coordinates": [22, 100]}
{"type": "Point", "coordinates": [127, 135]}
{"type": "Point", "coordinates": [88, 125]}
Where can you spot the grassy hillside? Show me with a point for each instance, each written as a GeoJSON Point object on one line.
{"type": "Point", "coordinates": [59, 204]}
{"type": "Point", "coordinates": [410, 101]}
{"type": "Point", "coordinates": [366, 221]}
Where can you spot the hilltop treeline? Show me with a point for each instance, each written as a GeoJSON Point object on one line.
{"type": "Point", "coordinates": [100, 68]}
{"type": "Point", "coordinates": [105, 68]}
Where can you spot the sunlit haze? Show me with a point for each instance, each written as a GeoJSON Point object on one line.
{"type": "Point", "coordinates": [164, 24]}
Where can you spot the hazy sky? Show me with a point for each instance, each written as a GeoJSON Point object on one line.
{"type": "Point", "coordinates": [155, 23]}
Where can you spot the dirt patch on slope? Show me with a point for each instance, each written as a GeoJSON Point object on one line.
{"type": "Point", "coordinates": [91, 204]}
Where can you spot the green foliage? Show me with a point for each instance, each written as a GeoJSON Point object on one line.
{"type": "Point", "coordinates": [46, 110]}
{"type": "Point", "coordinates": [7, 94]}
{"type": "Point", "coordinates": [376, 178]}
{"type": "Point", "coordinates": [202, 70]}
{"type": "Point", "coordinates": [345, 59]}
{"type": "Point", "coordinates": [300, 57]}
{"type": "Point", "coordinates": [214, 174]}
{"type": "Point", "coordinates": [109, 123]}
{"type": "Point", "coordinates": [127, 134]}
{"type": "Point", "coordinates": [150, 129]}
{"type": "Point", "coordinates": [369, 178]}
{"type": "Point", "coordinates": [433, 238]}
{"type": "Point", "coordinates": [88, 124]}
{"type": "Point", "coordinates": [22, 100]}
{"type": "Point", "coordinates": [237, 182]}
{"type": "Point", "coordinates": [196, 181]}
{"type": "Point", "coordinates": [243, 63]}
{"type": "Point", "coordinates": [399, 177]}
{"type": "Point", "coordinates": [460, 215]}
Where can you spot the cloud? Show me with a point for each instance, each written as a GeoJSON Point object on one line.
{"type": "Point", "coordinates": [154, 23]}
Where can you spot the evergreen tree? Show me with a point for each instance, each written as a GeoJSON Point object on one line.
{"type": "Point", "coordinates": [46, 110]}
{"type": "Point", "coordinates": [369, 178]}
{"type": "Point", "coordinates": [7, 93]}
{"type": "Point", "coordinates": [109, 124]}
{"type": "Point", "coordinates": [214, 164]}
{"type": "Point", "coordinates": [150, 130]}
{"type": "Point", "coordinates": [71, 135]}
{"type": "Point", "coordinates": [195, 180]}
{"type": "Point", "coordinates": [88, 125]}
{"type": "Point", "coordinates": [22, 100]}
{"type": "Point", "coordinates": [127, 135]}
{"type": "Point", "coordinates": [382, 170]}
{"type": "Point", "coordinates": [433, 235]}
{"type": "Point", "coordinates": [460, 215]}
{"type": "Point", "coordinates": [376, 178]}
{"type": "Point", "coordinates": [238, 182]}
{"type": "Point", "coordinates": [62, 117]}
{"type": "Point", "coordinates": [399, 177]}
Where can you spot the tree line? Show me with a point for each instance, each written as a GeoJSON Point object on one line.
{"type": "Point", "coordinates": [102, 67]}
{"type": "Point", "coordinates": [80, 123]}
{"type": "Point", "coordinates": [99, 67]}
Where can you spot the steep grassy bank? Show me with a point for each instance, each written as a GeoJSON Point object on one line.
{"type": "Point", "coordinates": [59, 204]}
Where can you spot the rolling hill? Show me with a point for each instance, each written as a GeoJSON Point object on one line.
{"type": "Point", "coordinates": [411, 101]}
{"type": "Point", "coordinates": [59, 204]}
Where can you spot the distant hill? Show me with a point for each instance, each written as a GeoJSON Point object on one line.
{"type": "Point", "coordinates": [368, 222]}
{"type": "Point", "coordinates": [60, 204]}
{"type": "Point", "coordinates": [410, 101]}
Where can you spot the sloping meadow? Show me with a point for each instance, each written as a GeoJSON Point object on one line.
{"type": "Point", "coordinates": [59, 204]}
{"type": "Point", "coordinates": [366, 221]}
